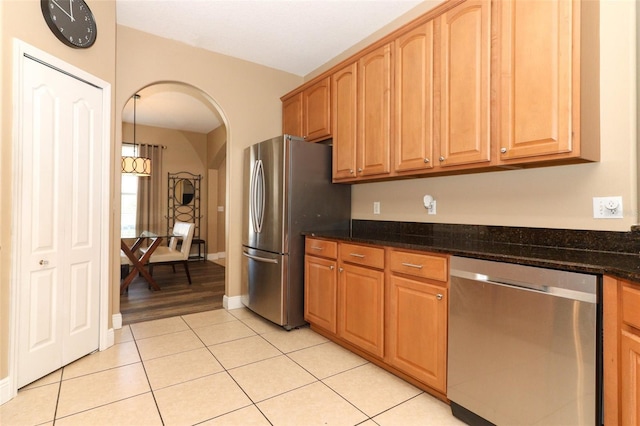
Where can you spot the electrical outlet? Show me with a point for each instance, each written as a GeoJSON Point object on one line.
{"type": "Point", "coordinates": [432, 208]}
{"type": "Point", "coordinates": [376, 207]}
{"type": "Point", "coordinates": [607, 207]}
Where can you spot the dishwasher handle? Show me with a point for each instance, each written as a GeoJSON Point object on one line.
{"type": "Point", "coordinates": [498, 281]}
{"type": "Point", "coordinates": [584, 296]}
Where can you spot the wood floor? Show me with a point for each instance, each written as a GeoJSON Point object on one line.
{"type": "Point", "coordinates": [176, 296]}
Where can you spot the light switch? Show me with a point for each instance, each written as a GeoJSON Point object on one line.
{"type": "Point", "coordinates": [376, 207]}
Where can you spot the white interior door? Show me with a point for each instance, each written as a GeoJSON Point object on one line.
{"type": "Point", "coordinates": [59, 235]}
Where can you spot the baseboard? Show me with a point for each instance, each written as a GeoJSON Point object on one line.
{"type": "Point", "coordinates": [234, 302]}
{"type": "Point", "coordinates": [216, 256]}
{"type": "Point", "coordinates": [116, 320]}
{"type": "Point", "coordinates": [5, 390]}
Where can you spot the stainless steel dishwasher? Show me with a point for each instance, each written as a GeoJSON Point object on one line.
{"type": "Point", "coordinates": [524, 345]}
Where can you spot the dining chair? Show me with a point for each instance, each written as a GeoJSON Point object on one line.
{"type": "Point", "coordinates": [171, 255]}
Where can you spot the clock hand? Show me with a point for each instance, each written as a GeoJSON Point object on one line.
{"type": "Point", "coordinates": [64, 11]}
{"type": "Point", "coordinates": [71, 9]}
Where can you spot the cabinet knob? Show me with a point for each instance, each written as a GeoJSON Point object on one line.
{"type": "Point", "coordinates": [359, 169]}
{"type": "Point", "coordinates": [331, 267]}
{"type": "Point", "coordinates": [350, 171]}
{"type": "Point", "coordinates": [340, 269]}
{"type": "Point", "coordinates": [43, 262]}
{"type": "Point", "coordinates": [439, 296]}
{"type": "Point", "coordinates": [426, 160]}
{"type": "Point", "coordinates": [441, 158]}
{"type": "Point", "coordinates": [503, 150]}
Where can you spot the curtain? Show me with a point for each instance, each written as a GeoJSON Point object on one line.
{"type": "Point", "coordinates": [150, 196]}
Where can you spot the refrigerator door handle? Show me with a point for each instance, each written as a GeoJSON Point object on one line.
{"type": "Point", "coordinates": [257, 199]}
{"type": "Point", "coordinates": [260, 259]}
{"type": "Point", "coordinates": [258, 196]}
{"type": "Point", "coordinates": [252, 197]}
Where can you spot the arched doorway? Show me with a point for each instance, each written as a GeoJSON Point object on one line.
{"type": "Point", "coordinates": [185, 125]}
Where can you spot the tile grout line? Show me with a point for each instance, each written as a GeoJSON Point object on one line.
{"type": "Point", "coordinates": [146, 375]}
{"type": "Point", "coordinates": [225, 370]}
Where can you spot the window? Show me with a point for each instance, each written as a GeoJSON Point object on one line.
{"type": "Point", "coordinates": [129, 200]}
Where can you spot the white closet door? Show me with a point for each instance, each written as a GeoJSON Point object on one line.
{"type": "Point", "coordinates": [60, 220]}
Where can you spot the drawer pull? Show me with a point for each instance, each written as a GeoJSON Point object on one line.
{"type": "Point", "coordinates": [331, 268]}
{"type": "Point", "coordinates": [317, 248]}
{"type": "Point", "coordinates": [411, 265]}
{"type": "Point", "coordinates": [361, 256]}
{"type": "Point", "coordinates": [439, 296]}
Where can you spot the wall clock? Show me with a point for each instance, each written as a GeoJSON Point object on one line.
{"type": "Point", "coordinates": [71, 21]}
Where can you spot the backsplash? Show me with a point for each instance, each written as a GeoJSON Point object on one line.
{"type": "Point", "coordinates": [602, 241]}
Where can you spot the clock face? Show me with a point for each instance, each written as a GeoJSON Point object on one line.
{"type": "Point", "coordinates": [71, 21]}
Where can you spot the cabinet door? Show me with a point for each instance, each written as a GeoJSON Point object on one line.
{"type": "Point", "coordinates": [360, 308]}
{"type": "Point", "coordinates": [414, 99]}
{"type": "Point", "coordinates": [535, 77]}
{"type": "Point", "coordinates": [374, 112]}
{"type": "Point", "coordinates": [344, 101]}
{"type": "Point", "coordinates": [417, 330]}
{"type": "Point", "coordinates": [316, 109]}
{"type": "Point", "coordinates": [320, 292]}
{"type": "Point", "coordinates": [630, 375]}
{"type": "Point", "coordinates": [464, 84]}
{"type": "Point", "coordinates": [292, 115]}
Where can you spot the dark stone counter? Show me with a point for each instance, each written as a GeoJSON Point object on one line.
{"type": "Point", "coordinates": [596, 252]}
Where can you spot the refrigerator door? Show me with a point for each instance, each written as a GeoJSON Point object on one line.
{"type": "Point", "coordinates": [264, 193]}
{"type": "Point", "coordinates": [264, 284]}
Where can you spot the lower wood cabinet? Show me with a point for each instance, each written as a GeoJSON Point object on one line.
{"type": "Point", "coordinates": [630, 375]}
{"type": "Point", "coordinates": [389, 305]}
{"type": "Point", "coordinates": [361, 307]}
{"type": "Point", "coordinates": [417, 311]}
{"type": "Point", "coordinates": [417, 331]}
{"type": "Point", "coordinates": [321, 283]}
{"type": "Point", "coordinates": [621, 352]}
{"type": "Point", "coordinates": [320, 292]}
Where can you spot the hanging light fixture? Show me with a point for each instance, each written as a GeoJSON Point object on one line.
{"type": "Point", "coordinates": [136, 165]}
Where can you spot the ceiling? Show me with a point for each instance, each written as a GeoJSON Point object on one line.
{"type": "Point", "coordinates": [296, 36]}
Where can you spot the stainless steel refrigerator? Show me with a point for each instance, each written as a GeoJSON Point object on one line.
{"type": "Point", "coordinates": [287, 190]}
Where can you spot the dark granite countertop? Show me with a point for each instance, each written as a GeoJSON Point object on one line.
{"type": "Point", "coordinates": [597, 252]}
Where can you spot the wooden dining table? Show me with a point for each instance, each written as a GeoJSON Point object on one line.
{"type": "Point", "coordinates": [140, 263]}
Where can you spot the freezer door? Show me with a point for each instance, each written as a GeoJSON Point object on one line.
{"type": "Point", "coordinates": [264, 191]}
{"type": "Point", "coordinates": [264, 284]}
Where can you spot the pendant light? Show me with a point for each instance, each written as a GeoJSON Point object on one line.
{"type": "Point", "coordinates": [139, 166]}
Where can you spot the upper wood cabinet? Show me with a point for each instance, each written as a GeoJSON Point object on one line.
{"type": "Point", "coordinates": [308, 113]}
{"type": "Point", "coordinates": [344, 107]}
{"type": "Point", "coordinates": [471, 85]}
{"type": "Point", "coordinates": [316, 111]}
{"type": "Point", "coordinates": [374, 112]}
{"type": "Point", "coordinates": [465, 70]}
{"type": "Point", "coordinates": [361, 110]}
{"type": "Point", "coordinates": [292, 115]}
{"type": "Point", "coordinates": [539, 77]}
{"type": "Point", "coordinates": [413, 117]}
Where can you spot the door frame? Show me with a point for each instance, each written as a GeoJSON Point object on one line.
{"type": "Point", "coordinates": [106, 334]}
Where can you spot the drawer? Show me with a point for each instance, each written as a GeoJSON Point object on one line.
{"type": "Point", "coordinates": [419, 264]}
{"type": "Point", "coordinates": [631, 306]}
{"type": "Point", "coordinates": [322, 248]}
{"type": "Point", "coordinates": [362, 255]}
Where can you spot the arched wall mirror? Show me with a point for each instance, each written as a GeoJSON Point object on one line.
{"type": "Point", "coordinates": [184, 192]}
{"type": "Point", "coordinates": [184, 201]}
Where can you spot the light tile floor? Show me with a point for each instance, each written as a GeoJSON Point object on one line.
{"type": "Point", "coordinates": [222, 368]}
